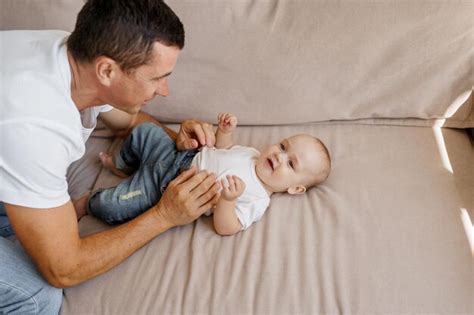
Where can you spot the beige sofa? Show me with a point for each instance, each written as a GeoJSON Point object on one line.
{"type": "Point", "coordinates": [386, 84]}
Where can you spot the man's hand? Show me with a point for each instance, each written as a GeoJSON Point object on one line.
{"type": "Point", "coordinates": [234, 189]}
{"type": "Point", "coordinates": [187, 197]}
{"type": "Point", "coordinates": [193, 134]}
{"type": "Point", "coordinates": [226, 122]}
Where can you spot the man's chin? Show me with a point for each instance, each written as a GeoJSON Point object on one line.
{"type": "Point", "coordinates": [131, 110]}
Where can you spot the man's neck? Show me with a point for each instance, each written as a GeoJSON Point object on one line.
{"type": "Point", "coordinates": [84, 92]}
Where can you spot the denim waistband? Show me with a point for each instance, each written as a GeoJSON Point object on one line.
{"type": "Point", "coordinates": [185, 158]}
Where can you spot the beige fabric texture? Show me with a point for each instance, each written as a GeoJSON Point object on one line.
{"type": "Point", "coordinates": [285, 62]}
{"type": "Point", "coordinates": [375, 80]}
{"type": "Point", "coordinates": [383, 235]}
{"type": "Point", "coordinates": [300, 61]}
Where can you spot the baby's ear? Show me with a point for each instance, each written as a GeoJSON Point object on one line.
{"type": "Point", "coordinates": [296, 190]}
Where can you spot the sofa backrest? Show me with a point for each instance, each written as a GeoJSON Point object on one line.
{"type": "Point", "coordinates": [304, 61]}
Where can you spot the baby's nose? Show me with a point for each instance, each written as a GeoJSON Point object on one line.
{"type": "Point", "coordinates": [279, 157]}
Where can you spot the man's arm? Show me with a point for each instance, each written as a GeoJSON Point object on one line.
{"type": "Point", "coordinates": [122, 123]}
{"type": "Point", "coordinates": [192, 133]}
{"type": "Point", "coordinates": [51, 237]}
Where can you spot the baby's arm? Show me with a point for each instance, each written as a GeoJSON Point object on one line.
{"type": "Point", "coordinates": [226, 221]}
{"type": "Point", "coordinates": [226, 126]}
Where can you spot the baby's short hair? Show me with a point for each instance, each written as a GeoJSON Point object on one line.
{"type": "Point", "coordinates": [323, 173]}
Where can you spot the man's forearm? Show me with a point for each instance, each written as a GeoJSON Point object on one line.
{"type": "Point", "coordinates": [51, 238]}
{"type": "Point", "coordinates": [143, 117]}
{"type": "Point", "coordinates": [100, 252]}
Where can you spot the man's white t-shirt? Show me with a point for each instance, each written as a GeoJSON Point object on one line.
{"type": "Point", "coordinates": [41, 130]}
{"type": "Point", "coordinates": [239, 161]}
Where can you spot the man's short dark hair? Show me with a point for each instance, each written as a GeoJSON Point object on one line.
{"type": "Point", "coordinates": [124, 30]}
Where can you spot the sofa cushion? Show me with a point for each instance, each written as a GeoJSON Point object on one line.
{"type": "Point", "coordinates": [385, 234]}
{"type": "Point", "coordinates": [287, 62]}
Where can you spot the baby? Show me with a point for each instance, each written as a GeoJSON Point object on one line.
{"type": "Point", "coordinates": [248, 177]}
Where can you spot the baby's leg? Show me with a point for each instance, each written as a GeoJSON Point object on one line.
{"type": "Point", "coordinates": [146, 143]}
{"type": "Point", "coordinates": [121, 203]}
{"type": "Point", "coordinates": [131, 197]}
{"type": "Point", "coordinates": [152, 153]}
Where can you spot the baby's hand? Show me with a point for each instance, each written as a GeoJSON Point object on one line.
{"type": "Point", "coordinates": [235, 188]}
{"type": "Point", "coordinates": [227, 122]}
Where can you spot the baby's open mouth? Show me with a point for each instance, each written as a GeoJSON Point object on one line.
{"type": "Point", "coordinates": [270, 162]}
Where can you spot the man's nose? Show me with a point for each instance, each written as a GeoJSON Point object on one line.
{"type": "Point", "coordinates": [162, 88]}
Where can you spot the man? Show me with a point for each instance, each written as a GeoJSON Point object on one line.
{"type": "Point", "coordinates": [52, 90]}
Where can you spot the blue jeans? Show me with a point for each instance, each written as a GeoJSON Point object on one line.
{"type": "Point", "coordinates": [22, 289]}
{"type": "Point", "coordinates": [153, 157]}
{"type": "Point", "coordinates": [5, 226]}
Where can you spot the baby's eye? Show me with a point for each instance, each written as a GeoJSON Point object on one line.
{"type": "Point", "coordinates": [282, 146]}
{"type": "Point", "coordinates": [291, 164]}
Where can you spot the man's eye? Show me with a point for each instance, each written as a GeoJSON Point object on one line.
{"type": "Point", "coordinates": [282, 146]}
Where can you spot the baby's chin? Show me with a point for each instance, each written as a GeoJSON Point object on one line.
{"type": "Point", "coordinates": [262, 178]}
{"type": "Point", "coordinates": [260, 169]}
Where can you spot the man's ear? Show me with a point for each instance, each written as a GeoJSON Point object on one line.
{"type": "Point", "coordinates": [296, 190]}
{"type": "Point", "coordinates": [106, 70]}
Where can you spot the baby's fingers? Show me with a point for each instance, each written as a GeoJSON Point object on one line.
{"type": "Point", "coordinates": [224, 185]}
{"type": "Point", "coordinates": [233, 120]}
{"type": "Point", "coordinates": [221, 118]}
{"type": "Point", "coordinates": [232, 183]}
{"type": "Point", "coordinates": [240, 185]}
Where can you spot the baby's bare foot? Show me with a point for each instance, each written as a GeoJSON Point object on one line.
{"type": "Point", "coordinates": [109, 164]}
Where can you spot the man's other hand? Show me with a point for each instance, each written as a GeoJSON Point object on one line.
{"type": "Point", "coordinates": [194, 134]}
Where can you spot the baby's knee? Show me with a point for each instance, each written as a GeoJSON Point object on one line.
{"type": "Point", "coordinates": [99, 205]}
{"type": "Point", "coordinates": [106, 206]}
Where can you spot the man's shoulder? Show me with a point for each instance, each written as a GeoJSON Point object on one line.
{"type": "Point", "coordinates": [32, 52]}
{"type": "Point", "coordinates": [31, 35]}
{"type": "Point", "coordinates": [37, 86]}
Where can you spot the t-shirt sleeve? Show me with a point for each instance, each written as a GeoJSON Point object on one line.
{"type": "Point", "coordinates": [105, 108]}
{"type": "Point", "coordinates": [250, 211]}
{"type": "Point", "coordinates": [34, 161]}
